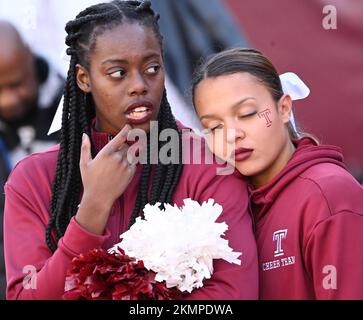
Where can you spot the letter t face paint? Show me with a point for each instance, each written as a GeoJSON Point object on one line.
{"type": "Point", "coordinates": [265, 114]}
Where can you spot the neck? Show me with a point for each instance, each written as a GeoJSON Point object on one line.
{"type": "Point", "coordinates": [275, 168]}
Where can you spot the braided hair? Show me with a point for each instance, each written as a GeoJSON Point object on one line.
{"type": "Point", "coordinates": [79, 110]}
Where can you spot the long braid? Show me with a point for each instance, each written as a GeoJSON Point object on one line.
{"type": "Point", "coordinates": [57, 187]}
{"type": "Point", "coordinates": [79, 109]}
{"type": "Point", "coordinates": [160, 170]}
{"type": "Point", "coordinates": [159, 175]}
{"type": "Point", "coordinates": [67, 181]}
{"type": "Point", "coordinates": [61, 221]}
{"type": "Point", "coordinates": [173, 170]}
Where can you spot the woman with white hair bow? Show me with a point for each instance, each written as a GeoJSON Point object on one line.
{"type": "Point", "coordinates": [308, 209]}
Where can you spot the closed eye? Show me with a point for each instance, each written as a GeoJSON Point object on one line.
{"type": "Point", "coordinates": [212, 130]}
{"type": "Point", "coordinates": [248, 115]}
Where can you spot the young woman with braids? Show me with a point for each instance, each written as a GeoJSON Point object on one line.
{"type": "Point", "coordinates": [83, 194]}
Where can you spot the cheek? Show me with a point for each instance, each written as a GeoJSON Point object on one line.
{"type": "Point", "coordinates": [29, 85]}
{"type": "Point", "coordinates": [267, 116]}
{"type": "Point", "coordinates": [26, 92]}
{"type": "Point", "coordinates": [268, 123]}
{"type": "Point", "coordinates": [102, 88]}
{"type": "Point", "coordinates": [105, 99]}
{"type": "Point", "coordinates": [157, 88]}
{"type": "Point", "coordinates": [268, 138]}
{"type": "Point", "coordinates": [217, 143]}
{"type": "Point", "coordinates": [161, 81]}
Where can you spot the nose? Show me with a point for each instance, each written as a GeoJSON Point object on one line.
{"type": "Point", "coordinates": [235, 133]}
{"type": "Point", "coordinates": [138, 85]}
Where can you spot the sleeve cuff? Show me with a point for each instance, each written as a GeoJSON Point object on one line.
{"type": "Point", "coordinates": [77, 240]}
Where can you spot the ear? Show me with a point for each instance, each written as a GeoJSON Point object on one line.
{"type": "Point", "coordinates": [83, 79]}
{"type": "Point", "coordinates": [285, 108]}
{"type": "Point", "coordinates": [28, 51]}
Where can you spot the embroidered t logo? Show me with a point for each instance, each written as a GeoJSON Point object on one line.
{"type": "Point", "coordinates": [278, 236]}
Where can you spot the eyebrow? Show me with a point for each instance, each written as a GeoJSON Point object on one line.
{"type": "Point", "coordinates": [234, 106]}
{"type": "Point", "coordinates": [123, 61]}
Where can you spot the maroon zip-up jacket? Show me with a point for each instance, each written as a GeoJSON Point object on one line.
{"type": "Point", "coordinates": [28, 194]}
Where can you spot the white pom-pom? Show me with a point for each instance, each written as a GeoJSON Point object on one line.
{"type": "Point", "coordinates": [179, 244]}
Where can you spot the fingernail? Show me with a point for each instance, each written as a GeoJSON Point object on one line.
{"type": "Point", "coordinates": [125, 130]}
{"type": "Point", "coordinates": [84, 136]}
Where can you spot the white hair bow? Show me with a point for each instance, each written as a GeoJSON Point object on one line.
{"type": "Point", "coordinates": [295, 88]}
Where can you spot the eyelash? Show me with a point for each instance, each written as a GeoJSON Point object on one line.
{"type": "Point", "coordinates": [157, 67]}
{"type": "Point", "coordinates": [247, 115]}
{"type": "Point", "coordinates": [118, 71]}
{"type": "Point", "coordinates": [239, 117]}
{"type": "Point", "coordinates": [212, 129]}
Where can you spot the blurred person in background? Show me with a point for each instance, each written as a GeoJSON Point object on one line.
{"type": "Point", "coordinates": [207, 25]}
{"type": "Point", "coordinates": [30, 91]}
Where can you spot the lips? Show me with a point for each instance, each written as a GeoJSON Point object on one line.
{"type": "Point", "coordinates": [139, 112]}
{"type": "Point", "coordinates": [241, 154]}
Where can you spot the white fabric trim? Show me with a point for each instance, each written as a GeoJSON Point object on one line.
{"type": "Point", "coordinates": [50, 88]}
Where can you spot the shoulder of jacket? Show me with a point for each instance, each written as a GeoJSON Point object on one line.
{"type": "Point", "coordinates": [34, 163]}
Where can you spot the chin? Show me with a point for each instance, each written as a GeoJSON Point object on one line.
{"type": "Point", "coordinates": [143, 126]}
{"type": "Point", "coordinates": [247, 170]}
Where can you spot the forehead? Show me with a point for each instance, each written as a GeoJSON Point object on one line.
{"type": "Point", "coordinates": [226, 89]}
{"type": "Point", "coordinates": [128, 41]}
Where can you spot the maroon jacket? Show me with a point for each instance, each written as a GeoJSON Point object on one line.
{"type": "Point", "coordinates": [28, 193]}
{"type": "Point", "coordinates": [310, 228]}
